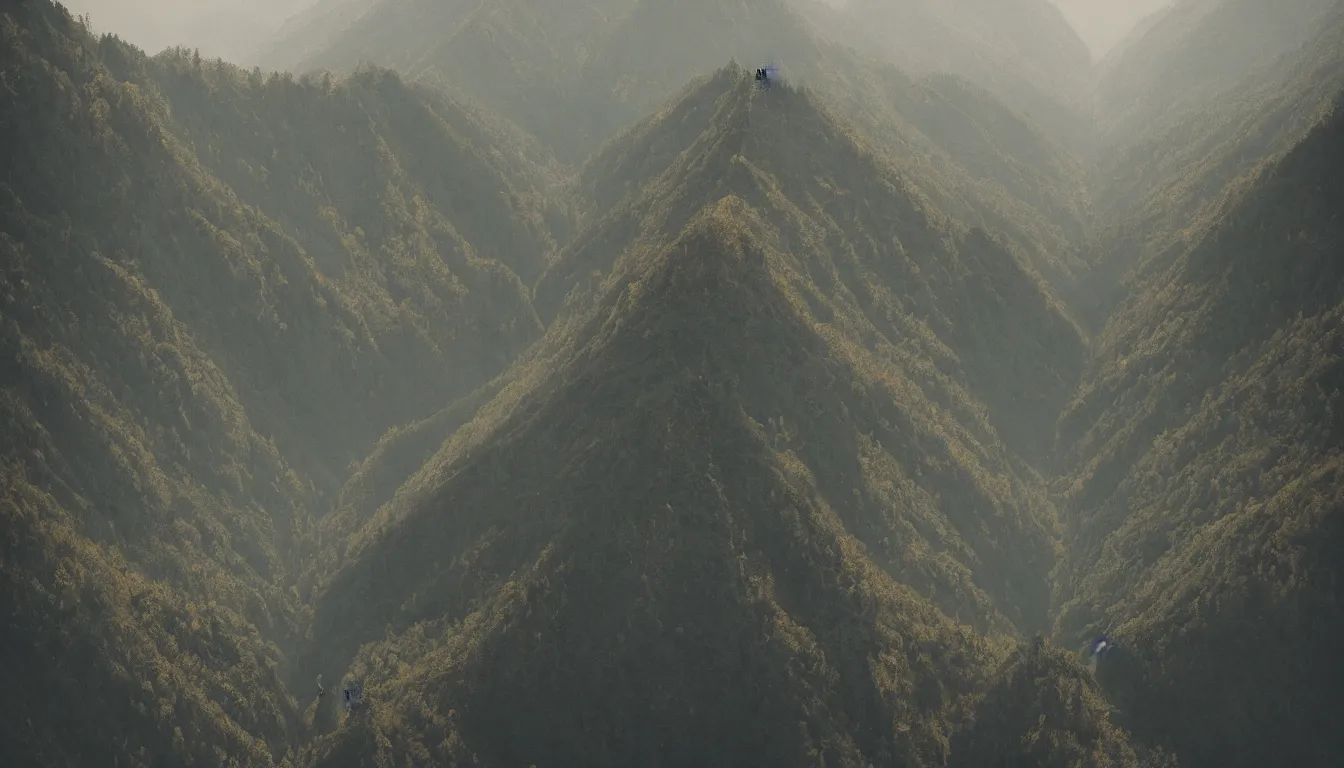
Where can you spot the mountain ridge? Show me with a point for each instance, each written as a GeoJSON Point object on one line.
{"type": "Point", "coordinates": [709, 258]}
{"type": "Point", "coordinates": [1203, 466]}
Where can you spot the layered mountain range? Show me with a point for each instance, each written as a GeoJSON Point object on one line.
{"type": "Point", "coordinates": [583, 402]}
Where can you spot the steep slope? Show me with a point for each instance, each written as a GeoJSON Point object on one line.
{"type": "Point", "coordinates": [1196, 49]}
{"type": "Point", "coordinates": [490, 185]}
{"type": "Point", "coordinates": [984, 163]}
{"type": "Point", "coordinates": [417, 258]}
{"type": "Point", "coordinates": [191, 364]}
{"type": "Point", "coordinates": [570, 72]}
{"type": "Point", "coordinates": [657, 47]}
{"type": "Point", "coordinates": [307, 33]}
{"type": "Point", "coordinates": [575, 74]}
{"type": "Point", "coordinates": [662, 575]}
{"type": "Point", "coordinates": [1204, 505]}
{"type": "Point", "coordinates": [831, 195]}
{"type": "Point", "coordinates": [1042, 709]}
{"type": "Point", "coordinates": [521, 58]}
{"type": "Point", "coordinates": [1165, 188]}
{"type": "Point", "coordinates": [1023, 51]}
{"type": "Point", "coordinates": [754, 324]}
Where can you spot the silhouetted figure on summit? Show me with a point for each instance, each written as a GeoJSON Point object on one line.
{"type": "Point", "coordinates": [765, 75]}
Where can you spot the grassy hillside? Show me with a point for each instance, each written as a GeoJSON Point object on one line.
{"type": "Point", "coordinates": [1204, 497]}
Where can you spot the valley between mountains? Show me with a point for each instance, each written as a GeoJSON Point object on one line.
{"type": "Point", "coordinates": [532, 369]}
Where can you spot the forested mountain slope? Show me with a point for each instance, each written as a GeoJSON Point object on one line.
{"type": "Point", "coordinates": [1204, 507]}
{"type": "Point", "coordinates": [659, 580]}
{"type": "Point", "coordinates": [524, 58]}
{"type": "Point", "coordinates": [1042, 709]}
{"type": "Point", "coordinates": [1194, 50]}
{"type": "Point", "coordinates": [208, 308]}
{"type": "Point", "coordinates": [979, 160]}
{"type": "Point", "coordinates": [727, 467]}
{"type": "Point", "coordinates": [835, 183]}
{"type": "Point", "coordinates": [1022, 51]}
{"type": "Point", "coordinates": [720, 108]}
{"type": "Point", "coordinates": [572, 73]}
{"type": "Point", "coordinates": [576, 75]}
{"type": "Point", "coordinates": [975, 159]}
{"type": "Point", "coordinates": [308, 32]}
{"type": "Point", "coordinates": [1165, 187]}
{"type": "Point", "coordinates": [422, 227]}
{"type": "Point", "coordinates": [731, 437]}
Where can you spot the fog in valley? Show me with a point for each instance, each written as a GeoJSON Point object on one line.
{"type": "Point", "coordinates": [237, 31]}
{"type": "Point", "coordinates": [507, 383]}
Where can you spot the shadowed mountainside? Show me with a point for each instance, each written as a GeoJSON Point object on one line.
{"type": "Point", "coordinates": [730, 419]}
{"type": "Point", "coordinates": [668, 572]}
{"type": "Point", "coordinates": [1043, 709]}
{"type": "Point", "coordinates": [1164, 188]}
{"type": "Point", "coordinates": [208, 307]}
{"type": "Point", "coordinates": [1193, 50]}
{"type": "Point", "coordinates": [742, 445]}
{"type": "Point", "coordinates": [1022, 51]}
{"type": "Point", "coordinates": [576, 75]}
{"type": "Point", "coordinates": [1204, 507]}
{"type": "Point", "coordinates": [882, 246]}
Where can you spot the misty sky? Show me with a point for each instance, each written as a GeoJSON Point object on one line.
{"type": "Point", "coordinates": [231, 29]}
{"type": "Point", "coordinates": [1103, 23]}
{"type": "Point", "coordinates": [234, 29]}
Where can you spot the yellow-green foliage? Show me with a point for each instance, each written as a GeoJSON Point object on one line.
{"type": "Point", "coordinates": [576, 72]}
{"type": "Point", "coordinates": [1162, 186]}
{"type": "Point", "coordinates": [1203, 502]}
{"type": "Point", "coordinates": [1196, 51]}
{"type": "Point", "coordinates": [215, 291]}
{"type": "Point", "coordinates": [110, 666]}
{"type": "Point", "coordinates": [732, 401]}
{"type": "Point", "coordinates": [1042, 709]}
{"type": "Point", "coordinates": [768, 488]}
{"type": "Point", "coordinates": [654, 556]}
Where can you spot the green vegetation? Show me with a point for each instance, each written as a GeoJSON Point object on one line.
{"type": "Point", "coordinates": [204, 320]}
{"type": "Point", "coordinates": [1023, 51]}
{"type": "Point", "coordinates": [1043, 709]}
{"type": "Point", "coordinates": [576, 74]}
{"type": "Point", "coordinates": [664, 552]}
{"type": "Point", "coordinates": [1196, 50]}
{"type": "Point", "coordinates": [1205, 451]}
{"type": "Point", "coordinates": [1165, 186]}
{"type": "Point", "coordinates": [589, 405]}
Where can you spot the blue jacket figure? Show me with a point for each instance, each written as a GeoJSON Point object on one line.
{"type": "Point", "coordinates": [766, 75]}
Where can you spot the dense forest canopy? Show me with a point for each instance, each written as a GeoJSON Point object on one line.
{"type": "Point", "coordinates": [534, 372]}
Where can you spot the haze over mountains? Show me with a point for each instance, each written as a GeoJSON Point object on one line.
{"type": "Point", "coordinates": [529, 366]}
